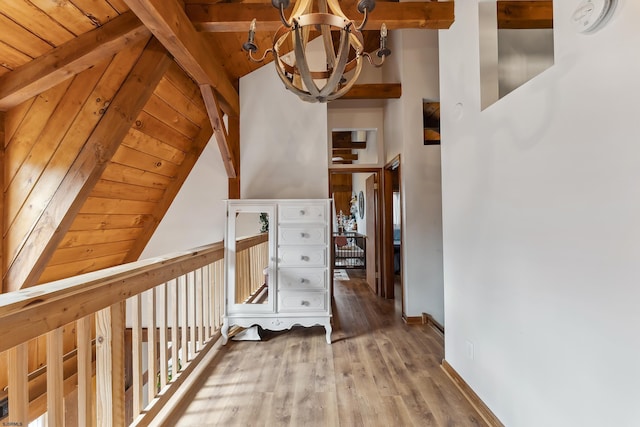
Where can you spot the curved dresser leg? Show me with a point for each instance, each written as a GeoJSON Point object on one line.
{"type": "Point", "coordinates": [328, 329]}
{"type": "Point", "coordinates": [224, 331]}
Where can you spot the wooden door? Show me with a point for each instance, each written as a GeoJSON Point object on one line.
{"type": "Point", "coordinates": [371, 229]}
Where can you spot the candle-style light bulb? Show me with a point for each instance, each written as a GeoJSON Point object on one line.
{"type": "Point", "coordinates": [384, 50]}
{"type": "Point", "coordinates": [250, 45]}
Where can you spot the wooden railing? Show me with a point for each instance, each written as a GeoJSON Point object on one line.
{"type": "Point", "coordinates": [252, 257]}
{"type": "Point", "coordinates": [141, 330]}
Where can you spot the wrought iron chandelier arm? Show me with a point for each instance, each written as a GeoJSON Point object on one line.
{"type": "Point", "coordinates": [282, 17]}
{"type": "Point", "coordinates": [250, 45]}
{"type": "Point", "coordinates": [364, 20]}
{"type": "Point", "coordinates": [370, 56]}
{"type": "Point", "coordinates": [262, 58]}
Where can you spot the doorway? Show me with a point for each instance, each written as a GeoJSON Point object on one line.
{"type": "Point", "coordinates": [392, 232]}
{"type": "Point", "coordinates": [357, 226]}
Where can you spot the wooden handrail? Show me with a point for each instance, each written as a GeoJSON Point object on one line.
{"type": "Point", "coordinates": [247, 242]}
{"type": "Point", "coordinates": [182, 335]}
{"type": "Point", "coordinates": [37, 310]}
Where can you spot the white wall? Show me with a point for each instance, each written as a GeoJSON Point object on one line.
{"type": "Point", "coordinates": [541, 229]}
{"type": "Point", "coordinates": [283, 141]}
{"type": "Point", "coordinates": [197, 215]}
{"type": "Point", "coordinates": [415, 60]}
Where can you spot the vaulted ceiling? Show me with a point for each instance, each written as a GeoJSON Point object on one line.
{"type": "Point", "coordinates": [105, 106]}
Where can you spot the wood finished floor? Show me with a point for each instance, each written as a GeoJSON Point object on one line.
{"type": "Point", "coordinates": [377, 372]}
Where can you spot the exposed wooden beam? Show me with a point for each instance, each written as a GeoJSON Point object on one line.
{"type": "Point", "coordinates": [349, 157]}
{"type": "Point", "coordinates": [374, 91]}
{"type": "Point", "coordinates": [2, 221]}
{"type": "Point", "coordinates": [167, 20]}
{"type": "Point", "coordinates": [347, 144]}
{"type": "Point", "coordinates": [231, 17]}
{"type": "Point", "coordinates": [342, 139]}
{"type": "Point", "coordinates": [171, 192]}
{"type": "Point", "coordinates": [344, 156]}
{"type": "Point", "coordinates": [520, 14]}
{"type": "Point", "coordinates": [87, 168]}
{"type": "Point", "coordinates": [217, 124]}
{"type": "Point", "coordinates": [68, 59]}
{"type": "Point", "coordinates": [233, 138]}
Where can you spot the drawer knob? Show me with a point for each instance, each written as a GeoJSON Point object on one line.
{"type": "Point", "coordinates": [303, 280]}
{"type": "Point", "coordinates": [302, 212]}
{"type": "Point", "coordinates": [304, 258]}
{"type": "Point", "coordinates": [305, 303]}
{"type": "Point", "coordinates": [304, 235]}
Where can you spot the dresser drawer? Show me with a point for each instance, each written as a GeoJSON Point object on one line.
{"type": "Point", "coordinates": [290, 279]}
{"type": "Point", "coordinates": [309, 235]}
{"type": "Point", "coordinates": [306, 212]}
{"type": "Point", "coordinates": [302, 256]}
{"type": "Point", "coordinates": [302, 301]}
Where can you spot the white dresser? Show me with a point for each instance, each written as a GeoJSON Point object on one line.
{"type": "Point", "coordinates": [295, 252]}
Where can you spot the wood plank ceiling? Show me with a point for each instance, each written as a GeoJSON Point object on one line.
{"type": "Point", "coordinates": [102, 128]}
{"type": "Point", "coordinates": [105, 106]}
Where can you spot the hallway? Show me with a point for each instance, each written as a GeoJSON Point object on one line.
{"type": "Point", "coordinates": [377, 372]}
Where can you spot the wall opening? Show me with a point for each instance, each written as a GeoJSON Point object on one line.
{"type": "Point", "coordinates": [516, 45]}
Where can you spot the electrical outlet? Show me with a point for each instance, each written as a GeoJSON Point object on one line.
{"type": "Point", "coordinates": [470, 350]}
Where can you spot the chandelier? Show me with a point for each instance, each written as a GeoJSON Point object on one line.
{"type": "Point", "coordinates": [343, 59]}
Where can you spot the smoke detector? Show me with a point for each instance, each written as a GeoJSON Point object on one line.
{"type": "Point", "coordinates": [591, 15]}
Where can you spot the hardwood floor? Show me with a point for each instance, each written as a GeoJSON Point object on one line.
{"type": "Point", "coordinates": [377, 372]}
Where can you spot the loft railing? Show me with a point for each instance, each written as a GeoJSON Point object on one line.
{"type": "Point", "coordinates": [141, 329]}
{"type": "Point", "coordinates": [252, 258]}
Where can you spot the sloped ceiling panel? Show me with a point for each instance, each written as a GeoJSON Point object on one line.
{"type": "Point", "coordinates": [129, 197]}
{"type": "Point", "coordinates": [48, 138]}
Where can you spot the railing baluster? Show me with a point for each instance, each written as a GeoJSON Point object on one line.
{"type": "Point", "coordinates": [214, 298]}
{"type": "Point", "coordinates": [192, 314]}
{"type": "Point", "coordinates": [162, 304]}
{"type": "Point", "coordinates": [85, 374]}
{"type": "Point", "coordinates": [199, 309]}
{"type": "Point", "coordinates": [110, 365]}
{"type": "Point", "coordinates": [241, 285]}
{"type": "Point", "coordinates": [206, 270]}
{"type": "Point", "coordinates": [175, 331]}
{"type": "Point", "coordinates": [152, 365]}
{"type": "Point", "coordinates": [219, 290]}
{"type": "Point", "coordinates": [18, 388]}
{"type": "Point", "coordinates": [256, 279]}
{"type": "Point", "coordinates": [184, 304]}
{"type": "Point", "coordinates": [136, 338]}
{"type": "Point", "coordinates": [55, 378]}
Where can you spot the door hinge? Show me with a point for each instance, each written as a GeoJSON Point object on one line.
{"type": "Point", "coordinates": [375, 186]}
